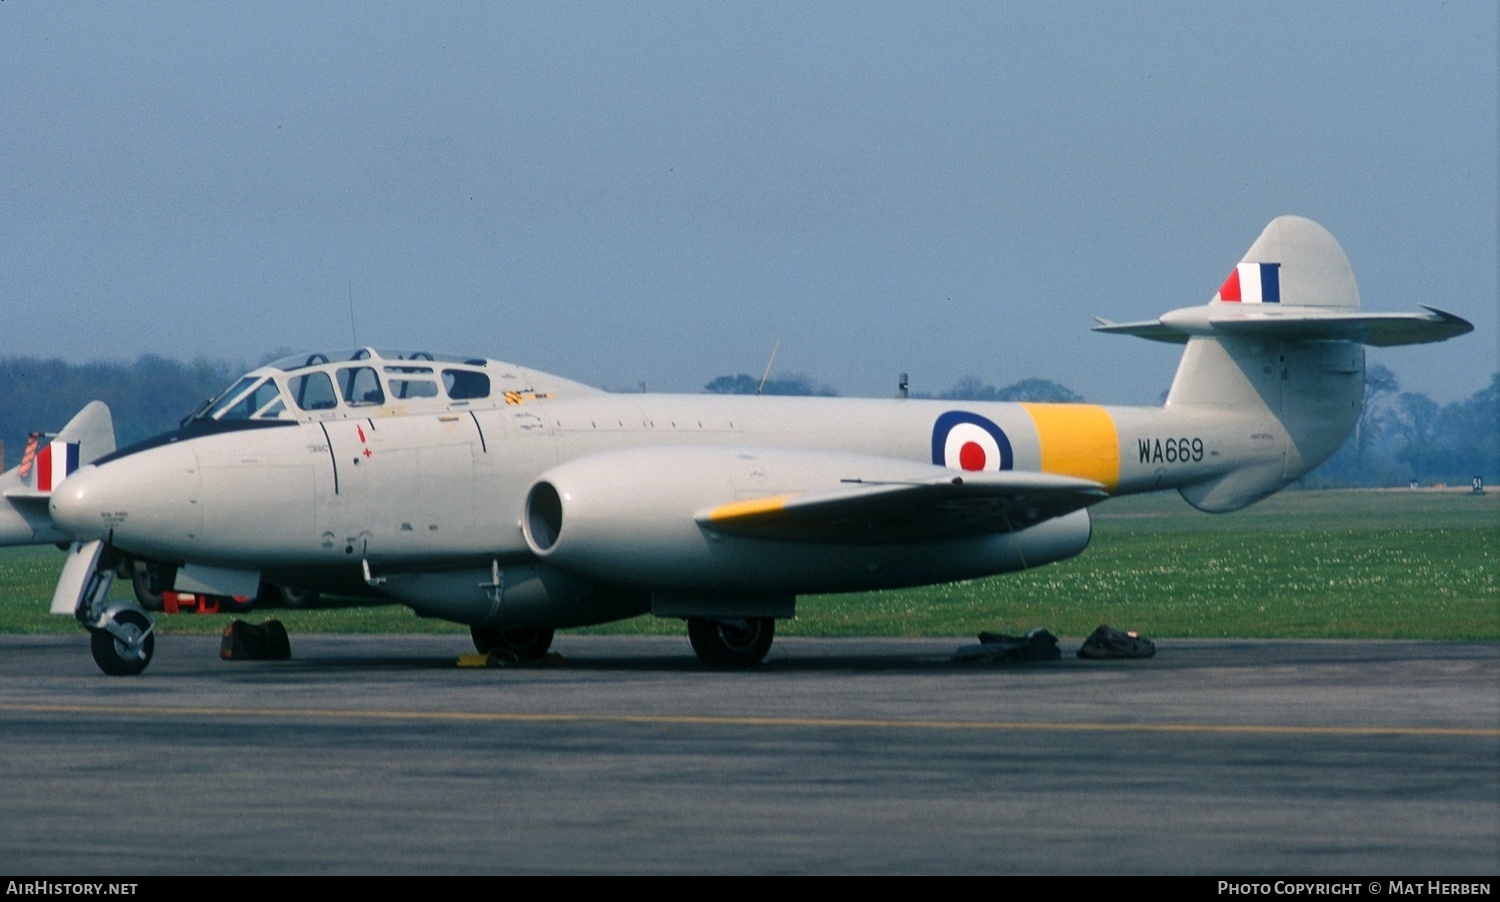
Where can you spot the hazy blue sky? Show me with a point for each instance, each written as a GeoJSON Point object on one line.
{"type": "Point", "coordinates": [657, 192]}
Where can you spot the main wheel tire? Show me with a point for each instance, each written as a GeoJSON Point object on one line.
{"type": "Point", "coordinates": [149, 581]}
{"type": "Point", "coordinates": [738, 642]}
{"type": "Point", "coordinates": [113, 655]}
{"type": "Point", "coordinates": [526, 644]}
{"type": "Point", "coordinates": [235, 604]}
{"type": "Point", "coordinates": [297, 599]}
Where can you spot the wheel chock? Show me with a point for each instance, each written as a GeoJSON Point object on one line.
{"type": "Point", "coordinates": [506, 659]}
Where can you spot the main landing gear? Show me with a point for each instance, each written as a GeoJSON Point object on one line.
{"type": "Point", "coordinates": [731, 642]}
{"type": "Point", "coordinates": [296, 599]}
{"type": "Point", "coordinates": [150, 580]}
{"type": "Point", "coordinates": [524, 644]}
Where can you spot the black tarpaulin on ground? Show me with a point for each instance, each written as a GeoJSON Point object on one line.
{"type": "Point", "coordinates": [1037, 645]}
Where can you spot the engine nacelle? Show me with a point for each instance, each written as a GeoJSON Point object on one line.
{"type": "Point", "coordinates": [631, 518]}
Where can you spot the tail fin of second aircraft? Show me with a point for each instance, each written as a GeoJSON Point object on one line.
{"type": "Point", "coordinates": [46, 462]}
{"type": "Point", "coordinates": [1281, 345]}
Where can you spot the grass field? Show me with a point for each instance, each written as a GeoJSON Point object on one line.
{"type": "Point", "coordinates": [1348, 564]}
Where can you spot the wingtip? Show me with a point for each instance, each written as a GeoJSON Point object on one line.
{"type": "Point", "coordinates": [1453, 318]}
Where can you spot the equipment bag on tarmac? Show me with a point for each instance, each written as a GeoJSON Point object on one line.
{"type": "Point", "coordinates": [245, 642]}
{"type": "Point", "coordinates": [1108, 642]}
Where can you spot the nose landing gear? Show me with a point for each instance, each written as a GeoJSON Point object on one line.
{"type": "Point", "coordinates": [123, 643]}
{"type": "Point", "coordinates": [121, 635]}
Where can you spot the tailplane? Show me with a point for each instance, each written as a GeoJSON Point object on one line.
{"type": "Point", "coordinates": [1280, 345]}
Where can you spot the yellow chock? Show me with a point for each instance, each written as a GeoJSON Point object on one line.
{"type": "Point", "coordinates": [506, 659]}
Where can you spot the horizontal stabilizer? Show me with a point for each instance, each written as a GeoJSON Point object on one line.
{"type": "Point", "coordinates": [1294, 284]}
{"type": "Point", "coordinates": [1296, 323]}
{"type": "Point", "coordinates": [942, 506]}
{"type": "Point", "coordinates": [1149, 329]}
{"type": "Point", "coordinates": [27, 496]}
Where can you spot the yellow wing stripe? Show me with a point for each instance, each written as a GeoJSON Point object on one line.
{"type": "Point", "coordinates": [1078, 440]}
{"type": "Point", "coordinates": [754, 507]}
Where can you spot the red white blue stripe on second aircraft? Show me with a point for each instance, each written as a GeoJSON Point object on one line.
{"type": "Point", "coordinates": [1253, 283]}
{"type": "Point", "coordinates": [54, 463]}
{"type": "Point", "coordinates": [968, 441]}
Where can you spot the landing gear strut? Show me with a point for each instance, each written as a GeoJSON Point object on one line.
{"type": "Point", "coordinates": [526, 645]}
{"type": "Point", "coordinates": [732, 642]}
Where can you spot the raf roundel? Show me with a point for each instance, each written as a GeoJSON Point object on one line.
{"type": "Point", "coordinates": [968, 441]}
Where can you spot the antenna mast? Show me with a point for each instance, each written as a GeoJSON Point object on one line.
{"type": "Point", "coordinates": [767, 374]}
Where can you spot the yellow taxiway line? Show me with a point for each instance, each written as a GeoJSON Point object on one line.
{"type": "Point", "coordinates": [752, 721]}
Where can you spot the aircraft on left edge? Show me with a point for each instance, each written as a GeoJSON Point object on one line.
{"type": "Point", "coordinates": [26, 488]}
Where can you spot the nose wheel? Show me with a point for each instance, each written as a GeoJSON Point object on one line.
{"type": "Point", "coordinates": [123, 643]}
{"type": "Point", "coordinates": [732, 642]}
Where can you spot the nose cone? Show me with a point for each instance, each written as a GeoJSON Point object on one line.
{"type": "Point", "coordinates": [73, 508]}
{"type": "Point", "coordinates": [146, 502]}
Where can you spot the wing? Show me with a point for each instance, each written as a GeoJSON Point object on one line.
{"type": "Point", "coordinates": [936, 505]}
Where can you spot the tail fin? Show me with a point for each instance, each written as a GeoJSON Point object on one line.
{"type": "Point", "coordinates": [1296, 263]}
{"type": "Point", "coordinates": [1280, 344]}
{"type": "Point", "coordinates": [47, 461]}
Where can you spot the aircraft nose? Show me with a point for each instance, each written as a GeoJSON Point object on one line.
{"type": "Point", "coordinates": [74, 505]}
{"type": "Point", "coordinates": [136, 502]}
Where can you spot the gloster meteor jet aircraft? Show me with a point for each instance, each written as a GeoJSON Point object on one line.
{"type": "Point", "coordinates": [517, 502]}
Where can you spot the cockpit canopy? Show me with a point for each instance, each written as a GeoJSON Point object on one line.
{"type": "Point", "coordinates": [361, 383]}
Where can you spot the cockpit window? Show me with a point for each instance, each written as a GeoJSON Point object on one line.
{"type": "Point", "coordinates": [298, 361]}
{"type": "Point", "coordinates": [463, 385]}
{"type": "Point", "coordinates": [328, 383]}
{"type": "Point", "coordinates": [402, 389]}
{"type": "Point", "coordinates": [317, 358]}
{"type": "Point", "coordinates": [237, 404]}
{"type": "Point", "coordinates": [313, 391]}
{"type": "Point", "coordinates": [360, 386]}
{"type": "Point", "coordinates": [228, 397]}
{"type": "Point", "coordinates": [408, 381]}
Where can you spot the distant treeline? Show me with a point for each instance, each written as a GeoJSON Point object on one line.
{"type": "Point", "coordinates": [146, 397]}
{"type": "Point", "coordinates": [1402, 436]}
{"type": "Point", "coordinates": [969, 388]}
{"type": "Point", "coordinates": [1406, 436]}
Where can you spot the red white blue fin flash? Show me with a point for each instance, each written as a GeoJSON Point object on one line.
{"type": "Point", "coordinates": [1253, 283]}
